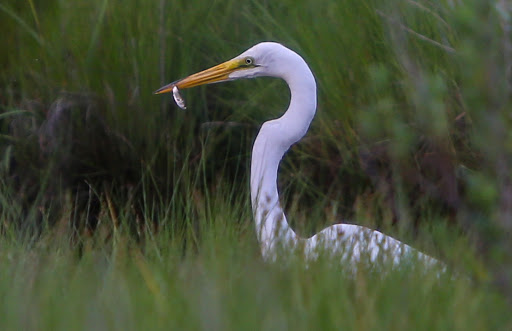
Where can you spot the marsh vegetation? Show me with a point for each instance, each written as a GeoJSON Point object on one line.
{"type": "Point", "coordinates": [118, 210]}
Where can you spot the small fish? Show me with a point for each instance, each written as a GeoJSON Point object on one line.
{"type": "Point", "coordinates": [177, 97]}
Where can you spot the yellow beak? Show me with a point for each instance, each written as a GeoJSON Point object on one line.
{"type": "Point", "coordinates": [218, 73]}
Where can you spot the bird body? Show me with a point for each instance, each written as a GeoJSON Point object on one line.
{"type": "Point", "coordinates": [352, 243]}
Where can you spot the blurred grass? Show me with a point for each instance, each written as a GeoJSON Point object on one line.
{"type": "Point", "coordinates": [411, 136]}
{"type": "Point", "coordinates": [225, 285]}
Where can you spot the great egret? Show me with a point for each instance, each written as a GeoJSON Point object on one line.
{"type": "Point", "coordinates": [351, 242]}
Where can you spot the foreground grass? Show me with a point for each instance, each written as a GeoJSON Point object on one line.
{"type": "Point", "coordinates": [223, 285]}
{"type": "Point", "coordinates": [212, 277]}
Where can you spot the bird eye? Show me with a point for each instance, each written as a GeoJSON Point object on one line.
{"type": "Point", "coordinates": [249, 61]}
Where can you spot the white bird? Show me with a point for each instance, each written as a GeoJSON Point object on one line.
{"type": "Point", "coordinates": [353, 243]}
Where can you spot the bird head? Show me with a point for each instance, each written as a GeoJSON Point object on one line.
{"type": "Point", "coordinates": [258, 60]}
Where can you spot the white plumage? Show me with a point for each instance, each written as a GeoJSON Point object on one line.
{"type": "Point", "coordinates": [352, 243]}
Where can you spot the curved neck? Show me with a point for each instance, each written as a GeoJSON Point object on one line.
{"type": "Point", "coordinates": [273, 140]}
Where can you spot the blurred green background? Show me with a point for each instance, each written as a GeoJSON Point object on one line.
{"type": "Point", "coordinates": [412, 136]}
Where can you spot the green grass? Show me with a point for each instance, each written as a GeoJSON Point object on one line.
{"type": "Point", "coordinates": [225, 285]}
{"type": "Point", "coordinates": [412, 136]}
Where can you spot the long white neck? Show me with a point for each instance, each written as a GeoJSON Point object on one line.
{"type": "Point", "coordinates": [273, 140]}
